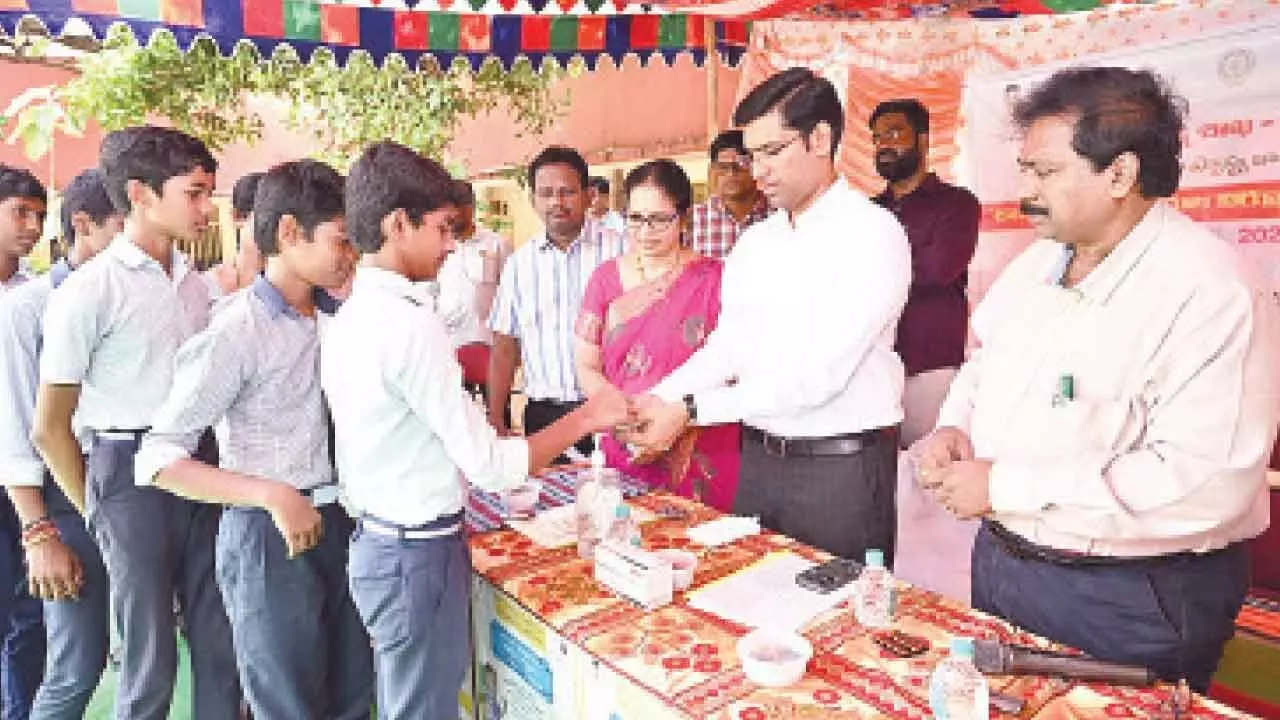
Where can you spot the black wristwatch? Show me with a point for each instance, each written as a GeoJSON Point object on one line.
{"type": "Point", "coordinates": [691, 409]}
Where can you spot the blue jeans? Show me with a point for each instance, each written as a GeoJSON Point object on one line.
{"type": "Point", "coordinates": [414, 597]}
{"type": "Point", "coordinates": [300, 645]}
{"type": "Point", "coordinates": [21, 623]}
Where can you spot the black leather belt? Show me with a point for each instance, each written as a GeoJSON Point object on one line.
{"type": "Point", "coordinates": [850, 444]}
{"type": "Point", "coordinates": [1017, 546]}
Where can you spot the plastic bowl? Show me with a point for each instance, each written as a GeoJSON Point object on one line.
{"type": "Point", "coordinates": [522, 499]}
{"type": "Point", "coordinates": [683, 563]}
{"type": "Point", "coordinates": [772, 658]}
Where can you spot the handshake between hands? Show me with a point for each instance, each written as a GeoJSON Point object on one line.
{"type": "Point", "coordinates": [946, 468]}
{"type": "Point", "coordinates": [646, 423]}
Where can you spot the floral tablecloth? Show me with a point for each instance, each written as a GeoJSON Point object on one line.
{"type": "Point", "coordinates": [686, 659]}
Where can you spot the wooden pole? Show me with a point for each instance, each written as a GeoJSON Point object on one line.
{"type": "Point", "coordinates": [712, 66]}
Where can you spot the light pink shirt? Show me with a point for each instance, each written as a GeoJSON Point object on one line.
{"type": "Point", "coordinates": [1172, 348]}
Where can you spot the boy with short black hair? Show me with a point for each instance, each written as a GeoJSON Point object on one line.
{"type": "Point", "coordinates": [23, 202]}
{"type": "Point", "coordinates": [282, 541]}
{"type": "Point", "coordinates": [112, 331]}
{"type": "Point", "coordinates": [406, 430]}
{"type": "Point", "coordinates": [64, 566]}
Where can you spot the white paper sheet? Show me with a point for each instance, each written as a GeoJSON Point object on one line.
{"type": "Point", "coordinates": [765, 594]}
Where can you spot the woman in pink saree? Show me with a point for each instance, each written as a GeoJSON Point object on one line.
{"type": "Point", "coordinates": [642, 316]}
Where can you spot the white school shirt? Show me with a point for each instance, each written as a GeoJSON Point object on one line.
{"type": "Point", "coordinates": [809, 313]}
{"type": "Point", "coordinates": [538, 302]}
{"type": "Point", "coordinates": [1171, 351]}
{"type": "Point", "coordinates": [404, 426]}
{"type": "Point", "coordinates": [114, 328]}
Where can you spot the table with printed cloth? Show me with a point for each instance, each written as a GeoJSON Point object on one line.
{"type": "Point", "coordinates": [552, 643]}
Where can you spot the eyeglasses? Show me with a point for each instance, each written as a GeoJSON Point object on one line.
{"type": "Point", "coordinates": [768, 151]}
{"type": "Point", "coordinates": [657, 222]}
{"type": "Point", "coordinates": [564, 193]}
{"type": "Point", "coordinates": [741, 162]}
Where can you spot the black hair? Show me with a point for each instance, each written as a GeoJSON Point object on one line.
{"type": "Point", "coordinates": [803, 99]}
{"type": "Point", "coordinates": [600, 184]}
{"type": "Point", "coordinates": [913, 110]}
{"type": "Point", "coordinates": [86, 193]}
{"type": "Point", "coordinates": [244, 191]}
{"type": "Point", "coordinates": [558, 155]}
{"type": "Point", "coordinates": [309, 190]}
{"type": "Point", "coordinates": [151, 155]}
{"type": "Point", "coordinates": [728, 140]}
{"type": "Point", "coordinates": [21, 183]}
{"type": "Point", "coordinates": [1117, 111]}
{"type": "Point", "coordinates": [463, 194]}
{"type": "Point", "coordinates": [389, 177]}
{"type": "Point", "coordinates": [667, 176]}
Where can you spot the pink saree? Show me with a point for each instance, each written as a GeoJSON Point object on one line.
{"type": "Point", "coordinates": [645, 333]}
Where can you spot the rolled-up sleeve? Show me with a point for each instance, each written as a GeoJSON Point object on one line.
{"type": "Point", "coordinates": [20, 466]}
{"type": "Point", "coordinates": [503, 317]}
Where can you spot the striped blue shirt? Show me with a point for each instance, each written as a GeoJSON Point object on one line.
{"type": "Point", "coordinates": [538, 301]}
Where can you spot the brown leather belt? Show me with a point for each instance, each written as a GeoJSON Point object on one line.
{"type": "Point", "coordinates": [849, 444]}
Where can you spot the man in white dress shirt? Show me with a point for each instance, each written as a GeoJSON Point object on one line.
{"type": "Point", "coordinates": [1114, 428]}
{"type": "Point", "coordinates": [112, 331]}
{"type": "Point", "coordinates": [803, 355]}
{"type": "Point", "coordinates": [407, 434]}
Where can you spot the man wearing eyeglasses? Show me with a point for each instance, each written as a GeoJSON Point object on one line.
{"type": "Point", "coordinates": [735, 202]}
{"type": "Point", "coordinates": [540, 293]}
{"type": "Point", "coordinates": [803, 353]}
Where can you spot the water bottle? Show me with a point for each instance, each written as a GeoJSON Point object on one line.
{"type": "Point", "coordinates": [957, 691]}
{"type": "Point", "coordinates": [874, 600]}
{"type": "Point", "coordinates": [623, 531]}
{"type": "Point", "coordinates": [599, 492]}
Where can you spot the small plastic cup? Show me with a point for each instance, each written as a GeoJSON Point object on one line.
{"type": "Point", "coordinates": [522, 499]}
{"type": "Point", "coordinates": [683, 563]}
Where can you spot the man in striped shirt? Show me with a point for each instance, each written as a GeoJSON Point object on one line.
{"type": "Point", "coordinates": [540, 293]}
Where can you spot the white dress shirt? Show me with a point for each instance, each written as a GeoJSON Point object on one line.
{"type": "Point", "coordinates": [468, 282]}
{"type": "Point", "coordinates": [1171, 350]}
{"type": "Point", "coordinates": [404, 425]}
{"type": "Point", "coordinates": [114, 328]}
{"type": "Point", "coordinates": [538, 302]}
{"type": "Point", "coordinates": [256, 368]}
{"type": "Point", "coordinates": [808, 317]}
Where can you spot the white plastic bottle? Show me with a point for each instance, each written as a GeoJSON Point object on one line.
{"type": "Point", "coordinates": [874, 600]}
{"type": "Point", "coordinates": [623, 530]}
{"type": "Point", "coordinates": [957, 691]}
{"type": "Point", "coordinates": [598, 494]}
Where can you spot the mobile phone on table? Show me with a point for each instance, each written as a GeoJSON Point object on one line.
{"type": "Point", "coordinates": [829, 576]}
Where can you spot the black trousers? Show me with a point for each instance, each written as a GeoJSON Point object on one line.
{"type": "Point", "coordinates": [540, 413]}
{"type": "Point", "coordinates": [1172, 615]}
{"type": "Point", "coordinates": [844, 504]}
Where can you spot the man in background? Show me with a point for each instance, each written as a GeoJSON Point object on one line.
{"type": "Point", "coordinates": [735, 202]}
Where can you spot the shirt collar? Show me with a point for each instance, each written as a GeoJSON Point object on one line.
{"type": "Point", "coordinates": [1107, 276]}
{"type": "Point", "coordinates": [276, 305]}
{"type": "Point", "coordinates": [132, 256]}
{"type": "Point", "coordinates": [833, 199]}
{"type": "Point", "coordinates": [590, 234]}
{"type": "Point", "coordinates": [929, 185]}
{"type": "Point", "coordinates": [386, 281]}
